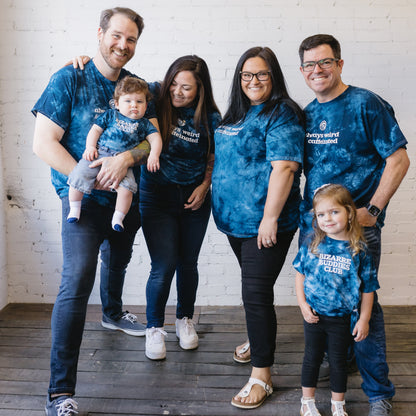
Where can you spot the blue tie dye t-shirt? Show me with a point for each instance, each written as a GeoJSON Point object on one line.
{"type": "Point", "coordinates": [122, 133]}
{"type": "Point", "coordinates": [334, 278]}
{"type": "Point", "coordinates": [73, 99]}
{"type": "Point", "coordinates": [183, 161]}
{"type": "Point", "coordinates": [243, 156]}
{"type": "Point", "coordinates": [347, 142]}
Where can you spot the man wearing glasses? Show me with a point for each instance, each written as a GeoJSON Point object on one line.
{"type": "Point", "coordinates": [352, 138]}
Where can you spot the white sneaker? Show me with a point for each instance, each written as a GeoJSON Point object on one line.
{"type": "Point", "coordinates": [185, 331]}
{"type": "Point", "coordinates": [155, 343]}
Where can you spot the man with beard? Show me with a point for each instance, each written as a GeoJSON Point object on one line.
{"type": "Point", "coordinates": [64, 114]}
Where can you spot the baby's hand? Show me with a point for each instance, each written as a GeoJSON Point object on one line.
{"type": "Point", "coordinates": [90, 153]}
{"type": "Point", "coordinates": [152, 163]}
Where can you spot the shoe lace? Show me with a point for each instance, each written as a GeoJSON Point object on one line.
{"type": "Point", "coordinates": [380, 405]}
{"type": "Point", "coordinates": [67, 407]}
{"type": "Point", "coordinates": [157, 333]}
{"type": "Point", "coordinates": [188, 325]}
{"type": "Point", "coordinates": [129, 317]}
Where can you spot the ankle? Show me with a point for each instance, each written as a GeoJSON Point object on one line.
{"type": "Point", "coordinates": [57, 395]}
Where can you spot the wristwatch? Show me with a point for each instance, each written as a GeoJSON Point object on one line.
{"type": "Point", "coordinates": [373, 210]}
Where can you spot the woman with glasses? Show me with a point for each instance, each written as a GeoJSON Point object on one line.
{"type": "Point", "coordinates": [256, 196]}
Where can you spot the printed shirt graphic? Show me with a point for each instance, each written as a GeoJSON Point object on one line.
{"type": "Point", "coordinates": [334, 278]}
{"type": "Point", "coordinates": [347, 141]}
{"type": "Point", "coordinates": [122, 133]}
{"type": "Point", "coordinates": [73, 99]}
{"type": "Point", "coordinates": [242, 168]}
{"type": "Point", "coordinates": [183, 161]}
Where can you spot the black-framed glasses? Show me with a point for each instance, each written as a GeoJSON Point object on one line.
{"type": "Point", "coordinates": [326, 63]}
{"type": "Point", "coordinates": [261, 76]}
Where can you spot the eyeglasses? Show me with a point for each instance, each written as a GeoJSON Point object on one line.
{"type": "Point", "coordinates": [261, 76]}
{"type": "Point", "coordinates": [323, 64]}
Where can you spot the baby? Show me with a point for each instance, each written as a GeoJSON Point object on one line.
{"type": "Point", "coordinates": [116, 131]}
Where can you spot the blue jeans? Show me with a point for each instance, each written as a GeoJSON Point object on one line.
{"type": "Point", "coordinates": [81, 243]}
{"type": "Point", "coordinates": [371, 352]}
{"type": "Point", "coordinates": [174, 237]}
{"type": "Point", "coordinates": [259, 271]}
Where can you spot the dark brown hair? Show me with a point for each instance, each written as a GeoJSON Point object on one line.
{"type": "Point", "coordinates": [204, 101]}
{"type": "Point", "coordinates": [317, 40]}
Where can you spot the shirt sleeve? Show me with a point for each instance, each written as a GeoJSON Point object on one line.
{"type": "Point", "coordinates": [103, 120]}
{"type": "Point", "coordinates": [150, 128]}
{"type": "Point", "coordinates": [298, 262]}
{"type": "Point", "coordinates": [368, 273]}
{"type": "Point", "coordinates": [215, 120]}
{"type": "Point", "coordinates": [285, 136]}
{"type": "Point", "coordinates": [154, 88]}
{"type": "Point", "coordinates": [56, 100]}
{"type": "Point", "coordinates": [385, 131]}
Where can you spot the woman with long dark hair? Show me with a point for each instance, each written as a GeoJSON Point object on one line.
{"type": "Point", "coordinates": [175, 202]}
{"type": "Point", "coordinates": [256, 196]}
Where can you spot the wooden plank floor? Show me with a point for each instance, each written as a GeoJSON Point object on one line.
{"type": "Point", "coordinates": [115, 378]}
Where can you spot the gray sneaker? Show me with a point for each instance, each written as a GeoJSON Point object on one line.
{"type": "Point", "coordinates": [324, 370]}
{"type": "Point", "coordinates": [382, 407]}
{"type": "Point", "coordinates": [126, 323]}
{"type": "Point", "coordinates": [61, 406]}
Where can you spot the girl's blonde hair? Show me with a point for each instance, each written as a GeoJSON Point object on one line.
{"type": "Point", "coordinates": [341, 196]}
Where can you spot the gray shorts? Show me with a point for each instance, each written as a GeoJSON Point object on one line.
{"type": "Point", "coordinates": [82, 177]}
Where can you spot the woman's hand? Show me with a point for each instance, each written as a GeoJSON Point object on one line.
{"type": "Point", "coordinates": [267, 234]}
{"type": "Point", "coordinates": [79, 61]}
{"type": "Point", "coordinates": [197, 197]}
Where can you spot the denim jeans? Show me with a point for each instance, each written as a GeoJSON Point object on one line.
{"type": "Point", "coordinates": [81, 243]}
{"type": "Point", "coordinates": [259, 271]}
{"type": "Point", "coordinates": [174, 237]}
{"type": "Point", "coordinates": [371, 352]}
{"type": "Point", "coordinates": [333, 333]}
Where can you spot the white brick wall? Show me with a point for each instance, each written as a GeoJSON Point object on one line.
{"type": "Point", "coordinates": [38, 37]}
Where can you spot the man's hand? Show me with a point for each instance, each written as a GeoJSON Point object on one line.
{"type": "Point", "coordinates": [365, 219]}
{"type": "Point", "coordinates": [113, 170]}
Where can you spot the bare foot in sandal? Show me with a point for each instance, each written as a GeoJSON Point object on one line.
{"type": "Point", "coordinates": [256, 391]}
{"type": "Point", "coordinates": [242, 353]}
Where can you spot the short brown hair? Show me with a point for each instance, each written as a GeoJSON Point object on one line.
{"type": "Point", "coordinates": [129, 84]}
{"type": "Point", "coordinates": [317, 40]}
{"type": "Point", "coordinates": [107, 14]}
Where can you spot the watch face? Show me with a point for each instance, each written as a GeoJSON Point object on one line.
{"type": "Point", "coordinates": [373, 210]}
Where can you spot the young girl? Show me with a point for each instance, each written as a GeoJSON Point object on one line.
{"type": "Point", "coordinates": [117, 130]}
{"type": "Point", "coordinates": [334, 274]}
